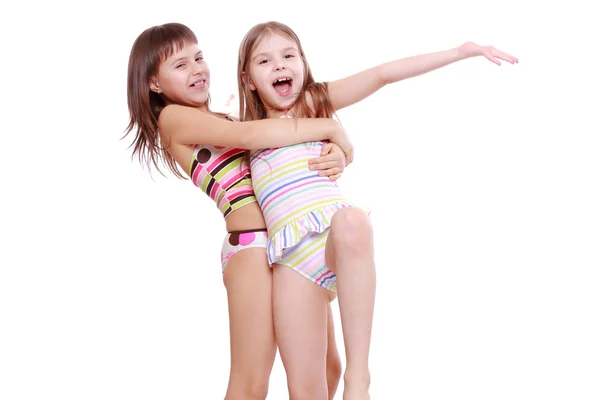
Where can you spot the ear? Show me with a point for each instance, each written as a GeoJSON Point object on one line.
{"type": "Point", "coordinates": [246, 79]}
{"type": "Point", "coordinates": [153, 83]}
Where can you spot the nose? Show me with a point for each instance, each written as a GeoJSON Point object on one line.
{"type": "Point", "coordinates": [280, 65]}
{"type": "Point", "coordinates": [198, 69]}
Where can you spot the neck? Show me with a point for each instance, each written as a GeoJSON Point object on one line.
{"type": "Point", "coordinates": [201, 107]}
{"type": "Point", "coordinates": [275, 113]}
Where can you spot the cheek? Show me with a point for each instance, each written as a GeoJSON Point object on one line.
{"type": "Point", "coordinates": [260, 80]}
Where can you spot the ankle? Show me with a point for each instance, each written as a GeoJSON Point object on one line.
{"type": "Point", "coordinates": [357, 377]}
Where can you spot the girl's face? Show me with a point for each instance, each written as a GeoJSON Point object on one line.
{"type": "Point", "coordinates": [276, 72]}
{"type": "Point", "coordinates": [183, 78]}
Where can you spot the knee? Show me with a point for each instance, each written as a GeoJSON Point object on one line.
{"type": "Point", "coordinates": [303, 392]}
{"type": "Point", "coordinates": [310, 384]}
{"type": "Point", "coordinates": [351, 228]}
{"type": "Point", "coordinates": [255, 389]}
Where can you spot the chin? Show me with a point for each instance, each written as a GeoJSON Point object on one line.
{"type": "Point", "coordinates": [287, 103]}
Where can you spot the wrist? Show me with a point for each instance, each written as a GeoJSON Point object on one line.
{"type": "Point", "coordinates": [462, 51]}
{"type": "Point", "coordinates": [335, 132]}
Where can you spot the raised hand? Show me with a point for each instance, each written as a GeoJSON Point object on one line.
{"type": "Point", "coordinates": [471, 49]}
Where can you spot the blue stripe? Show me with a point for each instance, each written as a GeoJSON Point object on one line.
{"type": "Point", "coordinates": [274, 191]}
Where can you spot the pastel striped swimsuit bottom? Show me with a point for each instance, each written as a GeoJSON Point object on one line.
{"type": "Point", "coordinates": [298, 206]}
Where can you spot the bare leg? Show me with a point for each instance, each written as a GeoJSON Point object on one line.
{"type": "Point", "coordinates": [334, 364]}
{"type": "Point", "coordinates": [300, 316]}
{"type": "Point", "coordinates": [350, 255]}
{"type": "Point", "coordinates": [249, 280]}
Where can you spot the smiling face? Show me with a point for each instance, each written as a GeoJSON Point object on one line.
{"type": "Point", "coordinates": [183, 78]}
{"type": "Point", "coordinates": [276, 72]}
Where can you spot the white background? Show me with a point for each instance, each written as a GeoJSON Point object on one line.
{"type": "Point", "coordinates": [487, 251]}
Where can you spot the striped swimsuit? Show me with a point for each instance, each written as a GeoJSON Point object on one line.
{"type": "Point", "coordinates": [224, 176]}
{"type": "Point", "coordinates": [220, 172]}
{"type": "Point", "coordinates": [298, 205]}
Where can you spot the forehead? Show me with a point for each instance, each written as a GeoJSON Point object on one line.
{"type": "Point", "coordinates": [185, 50]}
{"type": "Point", "coordinates": [274, 42]}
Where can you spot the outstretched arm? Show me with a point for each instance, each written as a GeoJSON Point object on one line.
{"type": "Point", "coordinates": [350, 90]}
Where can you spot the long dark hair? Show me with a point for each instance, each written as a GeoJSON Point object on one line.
{"type": "Point", "coordinates": [150, 49]}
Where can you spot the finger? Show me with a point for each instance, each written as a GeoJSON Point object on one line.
{"type": "Point", "coordinates": [330, 171]}
{"type": "Point", "coordinates": [326, 149]}
{"type": "Point", "coordinates": [335, 177]}
{"type": "Point", "coordinates": [490, 57]}
{"type": "Point", "coordinates": [325, 159]}
{"type": "Point", "coordinates": [324, 166]}
{"type": "Point", "coordinates": [507, 58]}
{"type": "Point", "coordinates": [322, 159]}
{"type": "Point", "coordinates": [503, 56]}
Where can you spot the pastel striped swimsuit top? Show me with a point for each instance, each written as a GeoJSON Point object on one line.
{"type": "Point", "coordinates": [288, 192]}
{"type": "Point", "coordinates": [223, 175]}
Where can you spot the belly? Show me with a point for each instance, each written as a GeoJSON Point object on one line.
{"type": "Point", "coordinates": [248, 217]}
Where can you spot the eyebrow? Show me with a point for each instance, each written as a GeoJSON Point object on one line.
{"type": "Point", "coordinates": [284, 50]}
{"type": "Point", "coordinates": [183, 58]}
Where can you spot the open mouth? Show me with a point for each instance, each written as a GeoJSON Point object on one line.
{"type": "Point", "coordinates": [199, 84]}
{"type": "Point", "coordinates": [283, 86]}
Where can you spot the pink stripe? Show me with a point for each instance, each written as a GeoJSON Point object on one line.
{"type": "Point", "coordinates": [265, 152]}
{"type": "Point", "coordinates": [312, 263]}
{"type": "Point", "coordinates": [197, 172]}
{"type": "Point", "coordinates": [329, 272]}
{"type": "Point", "coordinates": [215, 190]}
{"type": "Point", "coordinates": [234, 178]}
{"type": "Point", "coordinates": [279, 213]}
{"type": "Point", "coordinates": [239, 192]}
{"type": "Point", "coordinates": [220, 159]}
{"type": "Point", "coordinates": [285, 191]}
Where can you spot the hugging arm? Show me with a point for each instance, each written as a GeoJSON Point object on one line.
{"type": "Point", "coordinates": [186, 125]}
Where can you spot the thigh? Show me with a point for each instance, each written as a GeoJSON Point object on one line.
{"type": "Point", "coordinates": [350, 234]}
{"type": "Point", "coordinates": [248, 279]}
{"type": "Point", "coordinates": [300, 310]}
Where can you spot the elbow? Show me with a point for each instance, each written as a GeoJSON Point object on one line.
{"type": "Point", "coordinates": [382, 76]}
{"type": "Point", "coordinates": [384, 80]}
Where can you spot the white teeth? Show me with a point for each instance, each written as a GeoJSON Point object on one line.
{"type": "Point", "coordinates": [282, 80]}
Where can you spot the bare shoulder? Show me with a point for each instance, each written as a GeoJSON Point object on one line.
{"type": "Point", "coordinates": [316, 97]}
{"type": "Point", "coordinates": [176, 121]}
{"type": "Point", "coordinates": [174, 112]}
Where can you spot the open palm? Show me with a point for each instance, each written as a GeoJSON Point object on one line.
{"type": "Point", "coordinates": [490, 52]}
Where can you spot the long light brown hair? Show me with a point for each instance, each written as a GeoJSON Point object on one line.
{"type": "Point", "coordinates": [150, 49]}
{"type": "Point", "coordinates": [251, 107]}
